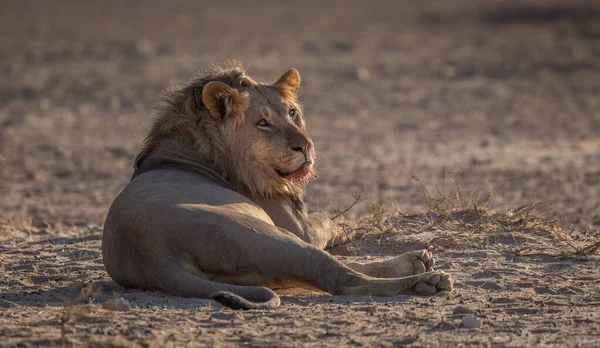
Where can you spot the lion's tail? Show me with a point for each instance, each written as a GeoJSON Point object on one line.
{"type": "Point", "coordinates": [265, 299]}
{"type": "Point", "coordinates": [176, 280]}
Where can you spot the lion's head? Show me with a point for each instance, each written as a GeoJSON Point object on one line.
{"type": "Point", "coordinates": [254, 134]}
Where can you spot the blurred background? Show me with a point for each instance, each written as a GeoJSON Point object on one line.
{"type": "Point", "coordinates": [505, 92]}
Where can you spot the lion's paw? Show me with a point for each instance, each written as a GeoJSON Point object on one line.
{"type": "Point", "coordinates": [437, 282]}
{"type": "Point", "coordinates": [413, 263]}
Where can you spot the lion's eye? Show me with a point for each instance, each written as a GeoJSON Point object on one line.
{"type": "Point", "coordinates": [293, 114]}
{"type": "Point", "coordinates": [263, 123]}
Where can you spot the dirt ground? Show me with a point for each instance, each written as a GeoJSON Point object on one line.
{"type": "Point", "coordinates": [507, 93]}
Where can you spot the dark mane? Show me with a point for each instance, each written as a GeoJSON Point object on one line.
{"type": "Point", "coordinates": [182, 105]}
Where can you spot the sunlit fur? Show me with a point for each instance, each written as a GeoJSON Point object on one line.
{"type": "Point", "coordinates": [234, 146]}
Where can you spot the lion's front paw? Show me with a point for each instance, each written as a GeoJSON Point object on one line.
{"type": "Point", "coordinates": [438, 281]}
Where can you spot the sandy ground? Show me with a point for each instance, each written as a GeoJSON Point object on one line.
{"type": "Point", "coordinates": [507, 94]}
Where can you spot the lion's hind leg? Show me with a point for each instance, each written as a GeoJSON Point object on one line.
{"type": "Point", "coordinates": [410, 263]}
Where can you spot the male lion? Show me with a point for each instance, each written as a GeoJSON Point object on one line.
{"type": "Point", "coordinates": [215, 208]}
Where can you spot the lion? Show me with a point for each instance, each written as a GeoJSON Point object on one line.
{"type": "Point", "coordinates": [215, 207]}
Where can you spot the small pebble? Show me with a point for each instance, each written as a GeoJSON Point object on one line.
{"type": "Point", "coordinates": [363, 74]}
{"type": "Point", "coordinates": [115, 304]}
{"type": "Point", "coordinates": [471, 322]}
{"type": "Point", "coordinates": [463, 310]}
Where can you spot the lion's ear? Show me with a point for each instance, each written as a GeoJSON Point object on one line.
{"type": "Point", "coordinates": [220, 99]}
{"type": "Point", "coordinates": [288, 83]}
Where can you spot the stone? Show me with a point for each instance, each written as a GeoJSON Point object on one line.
{"type": "Point", "coordinates": [117, 304]}
{"type": "Point", "coordinates": [471, 322]}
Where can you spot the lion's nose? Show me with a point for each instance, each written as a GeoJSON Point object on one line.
{"type": "Point", "coordinates": [302, 146]}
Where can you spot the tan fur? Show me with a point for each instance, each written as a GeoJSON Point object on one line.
{"type": "Point", "coordinates": [215, 203]}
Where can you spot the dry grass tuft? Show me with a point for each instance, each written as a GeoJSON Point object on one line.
{"type": "Point", "coordinates": [71, 312]}
{"type": "Point", "coordinates": [459, 218]}
{"type": "Point", "coordinates": [336, 212]}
